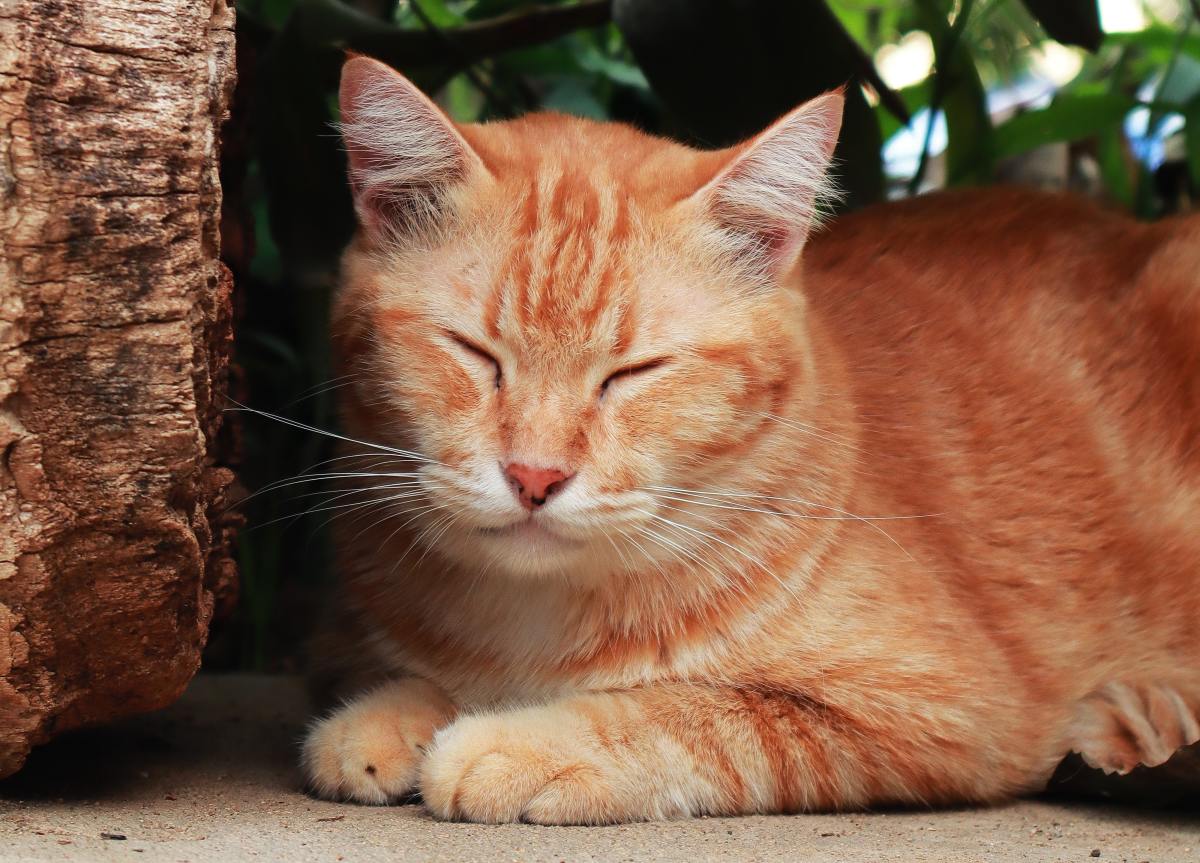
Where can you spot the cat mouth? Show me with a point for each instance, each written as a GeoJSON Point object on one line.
{"type": "Point", "coordinates": [529, 530]}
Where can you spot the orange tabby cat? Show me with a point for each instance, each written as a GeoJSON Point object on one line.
{"type": "Point", "coordinates": [675, 511]}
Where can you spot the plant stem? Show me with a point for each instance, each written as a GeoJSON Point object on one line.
{"type": "Point", "coordinates": [944, 55]}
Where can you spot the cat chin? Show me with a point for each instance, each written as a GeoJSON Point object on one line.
{"type": "Point", "coordinates": [521, 552]}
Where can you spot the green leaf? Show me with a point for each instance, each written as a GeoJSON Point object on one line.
{"type": "Point", "coordinates": [615, 69]}
{"type": "Point", "coordinates": [1072, 22]}
{"type": "Point", "coordinates": [1158, 40]}
{"type": "Point", "coordinates": [1182, 83]}
{"type": "Point", "coordinates": [572, 96]}
{"type": "Point", "coordinates": [969, 152]}
{"type": "Point", "coordinates": [1070, 117]}
{"type": "Point", "coordinates": [437, 11]}
{"type": "Point", "coordinates": [462, 99]}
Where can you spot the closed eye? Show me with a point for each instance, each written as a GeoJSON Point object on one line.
{"type": "Point", "coordinates": [632, 370]}
{"type": "Point", "coordinates": [478, 353]}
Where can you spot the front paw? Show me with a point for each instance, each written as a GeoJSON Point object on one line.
{"type": "Point", "coordinates": [370, 750]}
{"type": "Point", "coordinates": [527, 765]}
{"type": "Point", "coordinates": [1127, 724]}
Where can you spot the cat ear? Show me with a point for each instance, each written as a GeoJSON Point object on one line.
{"type": "Point", "coordinates": [769, 197]}
{"type": "Point", "coordinates": [405, 155]}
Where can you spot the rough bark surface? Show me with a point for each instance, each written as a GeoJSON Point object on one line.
{"type": "Point", "coordinates": [114, 339]}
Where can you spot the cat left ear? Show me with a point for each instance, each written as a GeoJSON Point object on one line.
{"type": "Point", "coordinates": [405, 155]}
{"type": "Point", "coordinates": [768, 198]}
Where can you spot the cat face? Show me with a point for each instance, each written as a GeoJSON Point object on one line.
{"type": "Point", "coordinates": [569, 320]}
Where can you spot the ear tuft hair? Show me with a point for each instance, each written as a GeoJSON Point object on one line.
{"type": "Point", "coordinates": [773, 192]}
{"type": "Point", "coordinates": [404, 153]}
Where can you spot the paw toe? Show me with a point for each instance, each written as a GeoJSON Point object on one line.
{"type": "Point", "coordinates": [474, 773]}
{"type": "Point", "coordinates": [352, 758]}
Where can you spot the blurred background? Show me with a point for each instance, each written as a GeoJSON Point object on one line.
{"type": "Point", "coordinates": [1098, 96]}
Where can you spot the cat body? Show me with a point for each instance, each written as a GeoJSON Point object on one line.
{"type": "Point", "coordinates": [692, 513]}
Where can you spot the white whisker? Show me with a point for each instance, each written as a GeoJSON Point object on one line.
{"type": "Point", "coordinates": [806, 428]}
{"type": "Point", "coordinates": [416, 456]}
{"type": "Point", "coordinates": [328, 506]}
{"type": "Point", "coordinates": [870, 521]}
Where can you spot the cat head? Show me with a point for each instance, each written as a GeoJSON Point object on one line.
{"type": "Point", "coordinates": [569, 319]}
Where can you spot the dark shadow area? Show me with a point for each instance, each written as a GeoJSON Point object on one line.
{"type": "Point", "coordinates": [231, 731]}
{"type": "Point", "coordinates": [91, 764]}
{"type": "Point", "coordinates": [1174, 785]}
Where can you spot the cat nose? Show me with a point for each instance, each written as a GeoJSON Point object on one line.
{"type": "Point", "coordinates": [533, 485]}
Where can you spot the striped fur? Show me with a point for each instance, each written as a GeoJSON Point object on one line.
{"type": "Point", "coordinates": [902, 524]}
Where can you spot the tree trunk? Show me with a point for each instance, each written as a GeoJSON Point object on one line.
{"type": "Point", "coordinates": [114, 343]}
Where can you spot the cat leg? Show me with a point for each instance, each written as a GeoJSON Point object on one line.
{"type": "Point", "coordinates": [1123, 725]}
{"type": "Point", "coordinates": [369, 750]}
{"type": "Point", "coordinates": [682, 750]}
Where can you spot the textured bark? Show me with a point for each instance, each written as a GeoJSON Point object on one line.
{"type": "Point", "coordinates": [114, 339]}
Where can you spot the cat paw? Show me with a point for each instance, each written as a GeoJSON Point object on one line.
{"type": "Point", "coordinates": [370, 751]}
{"type": "Point", "coordinates": [519, 767]}
{"type": "Point", "coordinates": [1122, 726]}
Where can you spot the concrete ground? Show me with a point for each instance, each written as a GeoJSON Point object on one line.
{"type": "Point", "coordinates": [214, 779]}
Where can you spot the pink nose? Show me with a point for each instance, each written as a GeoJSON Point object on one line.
{"type": "Point", "coordinates": [534, 484]}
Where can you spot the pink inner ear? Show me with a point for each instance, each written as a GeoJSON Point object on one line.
{"type": "Point", "coordinates": [777, 241]}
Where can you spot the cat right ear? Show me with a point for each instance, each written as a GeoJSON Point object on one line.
{"type": "Point", "coordinates": [770, 194]}
{"type": "Point", "coordinates": [405, 155]}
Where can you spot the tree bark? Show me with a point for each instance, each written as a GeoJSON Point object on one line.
{"type": "Point", "coordinates": [114, 342]}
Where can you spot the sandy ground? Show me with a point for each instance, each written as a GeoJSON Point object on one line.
{"type": "Point", "coordinates": [214, 779]}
